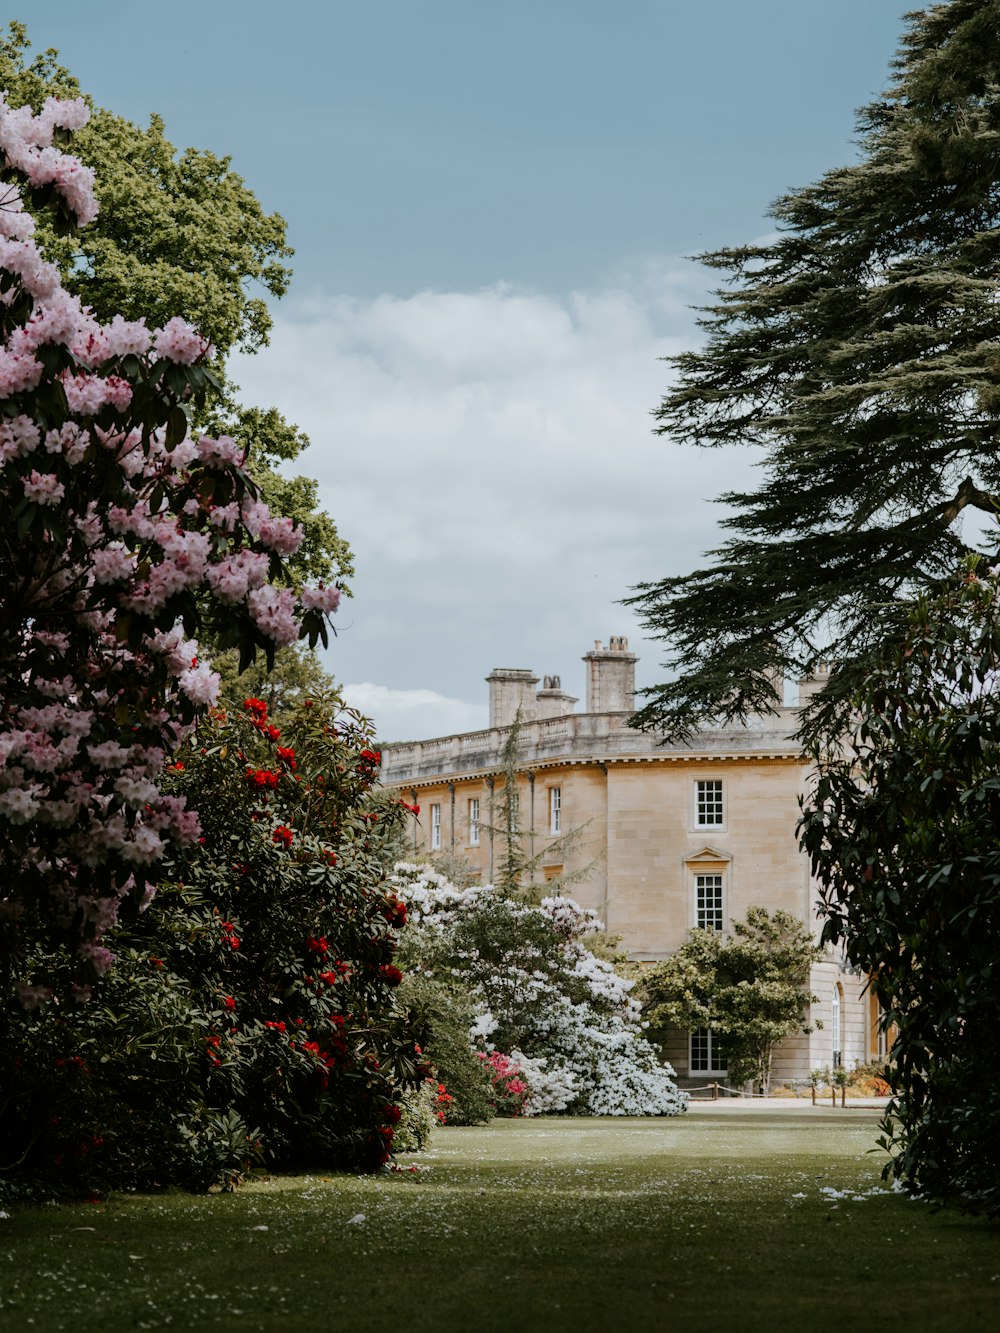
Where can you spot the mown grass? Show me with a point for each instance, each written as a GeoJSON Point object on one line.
{"type": "Point", "coordinates": [551, 1225]}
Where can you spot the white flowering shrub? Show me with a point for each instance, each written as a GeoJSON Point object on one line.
{"type": "Point", "coordinates": [566, 1017]}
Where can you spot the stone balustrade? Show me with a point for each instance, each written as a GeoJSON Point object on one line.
{"type": "Point", "coordinates": [578, 736]}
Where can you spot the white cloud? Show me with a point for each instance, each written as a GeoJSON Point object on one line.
{"type": "Point", "coordinates": [490, 457]}
{"type": "Point", "coordinates": [414, 714]}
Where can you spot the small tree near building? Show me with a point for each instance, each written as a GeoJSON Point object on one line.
{"type": "Point", "coordinates": [751, 989]}
{"type": "Point", "coordinates": [519, 865]}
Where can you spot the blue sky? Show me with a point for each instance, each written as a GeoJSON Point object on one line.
{"type": "Point", "coordinates": [491, 204]}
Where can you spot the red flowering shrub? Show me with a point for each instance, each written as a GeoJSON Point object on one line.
{"type": "Point", "coordinates": [252, 1013]}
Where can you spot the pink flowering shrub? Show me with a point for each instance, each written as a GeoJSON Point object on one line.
{"type": "Point", "coordinates": [251, 1014]}
{"type": "Point", "coordinates": [510, 1091]}
{"type": "Point", "coordinates": [122, 538]}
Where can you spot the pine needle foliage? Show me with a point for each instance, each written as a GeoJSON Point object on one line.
{"type": "Point", "coordinates": [859, 351]}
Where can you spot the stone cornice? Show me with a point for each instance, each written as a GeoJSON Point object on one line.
{"type": "Point", "coordinates": [580, 740]}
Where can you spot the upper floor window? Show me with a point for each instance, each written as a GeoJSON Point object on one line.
{"type": "Point", "coordinates": [708, 902]}
{"type": "Point", "coordinates": [474, 822]}
{"type": "Point", "coordinates": [708, 812]}
{"type": "Point", "coordinates": [435, 828]}
{"type": "Point", "coordinates": [555, 809]}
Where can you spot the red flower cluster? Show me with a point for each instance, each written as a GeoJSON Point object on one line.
{"type": "Point", "coordinates": [229, 935]}
{"type": "Point", "coordinates": [257, 709]}
{"type": "Point", "coordinates": [390, 974]}
{"type": "Point", "coordinates": [283, 835]}
{"type": "Point", "coordinates": [338, 1044]}
{"type": "Point", "coordinates": [75, 1061]}
{"type": "Point", "coordinates": [262, 777]}
{"type": "Point", "coordinates": [442, 1100]}
{"type": "Point", "coordinates": [277, 1027]}
{"type": "Point", "coordinates": [212, 1051]}
{"type": "Point", "coordinates": [337, 972]}
{"type": "Point", "coordinates": [394, 912]}
{"type": "Point", "coordinates": [229, 1002]}
{"type": "Point", "coordinates": [413, 809]}
{"type": "Point", "coordinates": [286, 755]}
{"type": "Point", "coordinates": [319, 946]}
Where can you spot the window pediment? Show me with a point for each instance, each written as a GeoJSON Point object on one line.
{"type": "Point", "coordinates": [708, 856]}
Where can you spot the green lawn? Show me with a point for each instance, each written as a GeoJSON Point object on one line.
{"type": "Point", "coordinates": [701, 1221]}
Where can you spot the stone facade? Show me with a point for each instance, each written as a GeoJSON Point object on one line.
{"type": "Point", "coordinates": [676, 835]}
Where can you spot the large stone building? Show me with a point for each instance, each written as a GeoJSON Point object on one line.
{"type": "Point", "coordinates": [677, 835]}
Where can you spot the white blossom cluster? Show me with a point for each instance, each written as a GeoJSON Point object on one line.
{"type": "Point", "coordinates": [582, 1049]}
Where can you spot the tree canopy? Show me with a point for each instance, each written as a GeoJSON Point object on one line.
{"type": "Point", "coordinates": [181, 234]}
{"type": "Point", "coordinates": [752, 988]}
{"type": "Point", "coordinates": [858, 350]}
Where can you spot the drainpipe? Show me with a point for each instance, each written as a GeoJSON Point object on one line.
{"type": "Point", "coordinates": [607, 849]}
{"type": "Point", "coordinates": [490, 782]}
{"type": "Point", "coordinates": [531, 825]}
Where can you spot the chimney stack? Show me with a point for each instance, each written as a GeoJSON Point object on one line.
{"type": "Point", "coordinates": [552, 700]}
{"type": "Point", "coordinates": [812, 684]}
{"type": "Point", "coordinates": [611, 677]}
{"type": "Point", "coordinates": [511, 688]}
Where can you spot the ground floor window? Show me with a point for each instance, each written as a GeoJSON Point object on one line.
{"type": "Point", "coordinates": [708, 1054]}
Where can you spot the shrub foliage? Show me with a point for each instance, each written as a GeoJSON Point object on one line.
{"type": "Point", "coordinates": [251, 1015]}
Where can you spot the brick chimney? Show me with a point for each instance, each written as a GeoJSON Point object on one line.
{"type": "Point", "coordinates": [511, 688]}
{"type": "Point", "coordinates": [611, 677]}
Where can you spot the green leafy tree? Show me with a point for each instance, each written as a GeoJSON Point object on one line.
{"type": "Point", "coordinates": [903, 835]}
{"type": "Point", "coordinates": [751, 988]}
{"type": "Point", "coordinates": [180, 233]}
{"type": "Point", "coordinates": [296, 675]}
{"type": "Point", "coordinates": [858, 351]}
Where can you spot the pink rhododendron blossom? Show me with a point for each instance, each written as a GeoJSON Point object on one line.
{"type": "Point", "coordinates": [98, 955]}
{"type": "Point", "coordinates": [146, 846]}
{"type": "Point", "coordinates": [128, 337]}
{"type": "Point", "coordinates": [113, 564]}
{"type": "Point", "coordinates": [19, 436]}
{"type": "Point", "coordinates": [221, 452]}
{"type": "Point", "coordinates": [321, 599]}
{"type": "Point", "coordinates": [87, 394]}
{"type": "Point", "coordinates": [231, 579]}
{"type": "Point", "coordinates": [69, 440]}
{"type": "Point", "coordinates": [176, 651]}
{"type": "Point", "coordinates": [19, 804]}
{"type": "Point", "coordinates": [178, 341]}
{"type": "Point", "coordinates": [17, 373]}
{"type": "Point", "coordinates": [281, 535]}
{"type": "Point", "coordinates": [31, 997]}
{"type": "Point", "coordinates": [225, 517]}
{"type": "Point", "coordinates": [121, 529]}
{"type": "Point", "coordinates": [200, 684]}
{"type": "Point", "coordinates": [273, 610]}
